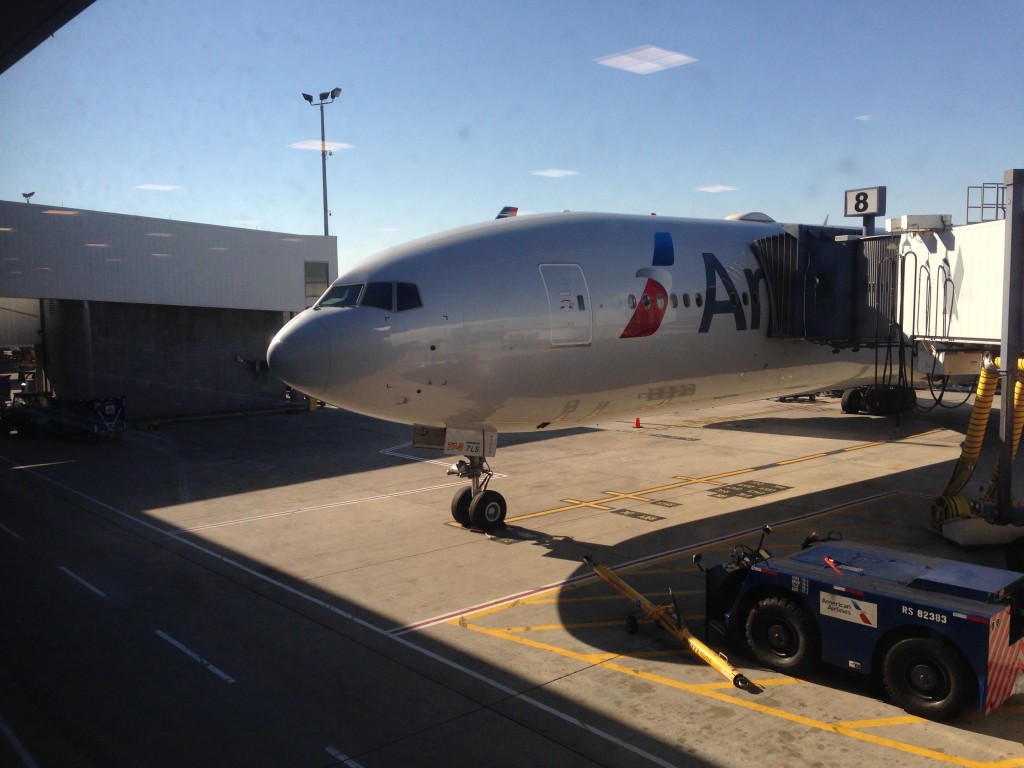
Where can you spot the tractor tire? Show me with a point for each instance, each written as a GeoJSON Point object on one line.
{"type": "Point", "coordinates": [783, 636]}
{"type": "Point", "coordinates": [928, 677]}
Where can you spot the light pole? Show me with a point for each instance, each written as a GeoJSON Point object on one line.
{"type": "Point", "coordinates": [332, 95]}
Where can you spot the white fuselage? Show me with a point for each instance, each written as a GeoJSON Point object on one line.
{"type": "Point", "coordinates": [555, 321]}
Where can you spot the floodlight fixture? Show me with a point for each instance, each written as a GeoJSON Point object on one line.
{"type": "Point", "coordinates": [27, 195]}
{"type": "Point", "coordinates": [324, 96]}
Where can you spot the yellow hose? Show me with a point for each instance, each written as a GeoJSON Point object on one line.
{"type": "Point", "coordinates": [991, 494]}
{"type": "Point", "coordinates": [971, 446]}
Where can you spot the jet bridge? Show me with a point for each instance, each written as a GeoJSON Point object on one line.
{"type": "Point", "coordinates": [925, 286]}
{"type": "Point", "coordinates": [935, 300]}
{"type": "Point", "coordinates": [819, 285]}
{"type": "Point", "coordinates": [831, 286]}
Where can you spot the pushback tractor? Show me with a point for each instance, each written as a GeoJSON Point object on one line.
{"type": "Point", "coordinates": [941, 634]}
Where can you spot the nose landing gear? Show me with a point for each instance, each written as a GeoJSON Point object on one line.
{"type": "Point", "coordinates": [474, 505]}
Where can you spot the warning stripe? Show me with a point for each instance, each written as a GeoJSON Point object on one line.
{"type": "Point", "coordinates": [1005, 661]}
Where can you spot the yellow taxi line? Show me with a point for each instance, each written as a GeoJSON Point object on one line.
{"type": "Point", "coordinates": [643, 495]}
{"type": "Point", "coordinates": [724, 692]}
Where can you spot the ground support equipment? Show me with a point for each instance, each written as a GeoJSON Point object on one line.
{"type": "Point", "coordinates": [667, 617]}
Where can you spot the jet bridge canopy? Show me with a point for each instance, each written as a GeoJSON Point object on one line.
{"type": "Point", "coordinates": [825, 290]}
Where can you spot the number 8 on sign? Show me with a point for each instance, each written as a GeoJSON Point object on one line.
{"type": "Point", "coordinates": [865, 202]}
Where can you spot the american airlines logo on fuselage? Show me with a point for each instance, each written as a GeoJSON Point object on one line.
{"type": "Point", "coordinates": [650, 309]}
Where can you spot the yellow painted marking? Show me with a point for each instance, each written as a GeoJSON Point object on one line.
{"type": "Point", "coordinates": [587, 658]}
{"type": "Point", "coordinates": [784, 462]}
{"type": "Point", "coordinates": [583, 599]}
{"type": "Point", "coordinates": [662, 654]}
{"type": "Point", "coordinates": [552, 627]}
{"type": "Point", "coordinates": [722, 685]}
{"type": "Point", "coordinates": [837, 728]}
{"type": "Point", "coordinates": [862, 446]}
{"type": "Point", "coordinates": [882, 722]}
{"type": "Point", "coordinates": [576, 503]}
{"type": "Point", "coordinates": [708, 479]}
{"type": "Point", "coordinates": [719, 690]}
{"type": "Point", "coordinates": [644, 495]}
{"type": "Point", "coordinates": [635, 496]}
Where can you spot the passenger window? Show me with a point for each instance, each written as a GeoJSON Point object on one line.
{"type": "Point", "coordinates": [646, 300]}
{"type": "Point", "coordinates": [698, 299]}
{"type": "Point", "coordinates": [746, 299]}
{"type": "Point", "coordinates": [686, 300]}
{"type": "Point", "coordinates": [408, 297]}
{"type": "Point", "coordinates": [631, 301]}
{"type": "Point", "coordinates": [673, 301]}
{"type": "Point", "coordinates": [661, 300]}
{"type": "Point", "coordinates": [341, 296]}
{"type": "Point", "coordinates": [378, 295]}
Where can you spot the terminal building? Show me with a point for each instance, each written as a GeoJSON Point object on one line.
{"type": "Point", "coordinates": [173, 316]}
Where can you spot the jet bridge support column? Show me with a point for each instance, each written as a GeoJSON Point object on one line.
{"type": "Point", "coordinates": [1012, 335]}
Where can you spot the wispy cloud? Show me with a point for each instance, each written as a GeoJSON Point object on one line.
{"type": "Point", "coordinates": [554, 173]}
{"type": "Point", "coordinates": [715, 188]}
{"type": "Point", "coordinates": [314, 144]}
{"type": "Point", "coordinates": [158, 187]}
{"type": "Point", "coordinates": [865, 118]}
{"type": "Point", "coordinates": [645, 60]}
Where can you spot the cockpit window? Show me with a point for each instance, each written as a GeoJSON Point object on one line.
{"type": "Point", "coordinates": [408, 297]}
{"type": "Point", "coordinates": [341, 296]}
{"type": "Point", "coordinates": [387, 296]}
{"type": "Point", "coordinates": [378, 295]}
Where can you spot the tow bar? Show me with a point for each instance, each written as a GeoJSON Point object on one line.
{"type": "Point", "coordinates": [669, 618]}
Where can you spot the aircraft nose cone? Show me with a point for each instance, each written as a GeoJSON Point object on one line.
{"type": "Point", "coordinates": [300, 355]}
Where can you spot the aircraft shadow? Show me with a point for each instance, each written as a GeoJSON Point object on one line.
{"type": "Point", "coordinates": [792, 520]}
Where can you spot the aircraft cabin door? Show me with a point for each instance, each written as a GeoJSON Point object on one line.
{"type": "Point", "coordinates": [569, 304]}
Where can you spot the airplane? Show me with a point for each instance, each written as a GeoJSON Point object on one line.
{"type": "Point", "coordinates": [551, 321]}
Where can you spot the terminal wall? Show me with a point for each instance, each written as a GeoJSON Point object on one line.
{"type": "Point", "coordinates": [166, 361]}
{"type": "Point", "coordinates": [68, 253]}
{"type": "Point", "coordinates": [19, 322]}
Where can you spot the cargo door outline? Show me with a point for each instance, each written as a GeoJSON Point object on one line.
{"type": "Point", "coordinates": [569, 305]}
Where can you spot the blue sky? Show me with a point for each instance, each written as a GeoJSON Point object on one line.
{"type": "Point", "coordinates": [452, 108]}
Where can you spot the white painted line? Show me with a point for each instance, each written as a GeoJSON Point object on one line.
{"type": "Point", "coordinates": [519, 696]}
{"type": "Point", "coordinates": [393, 451]}
{"type": "Point", "coordinates": [510, 692]}
{"type": "Point", "coordinates": [195, 656]}
{"type": "Point", "coordinates": [341, 757]}
{"type": "Point", "coordinates": [7, 530]}
{"type": "Point", "coordinates": [16, 745]}
{"type": "Point", "coordinates": [669, 553]}
{"type": "Point", "coordinates": [194, 545]}
{"type": "Point", "coordinates": [36, 466]}
{"type": "Point", "coordinates": [457, 614]}
{"type": "Point", "coordinates": [289, 512]}
{"type": "Point", "coordinates": [95, 590]}
{"type": "Point", "coordinates": [331, 505]}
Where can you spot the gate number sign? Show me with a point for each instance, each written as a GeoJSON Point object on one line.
{"type": "Point", "coordinates": [865, 202]}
